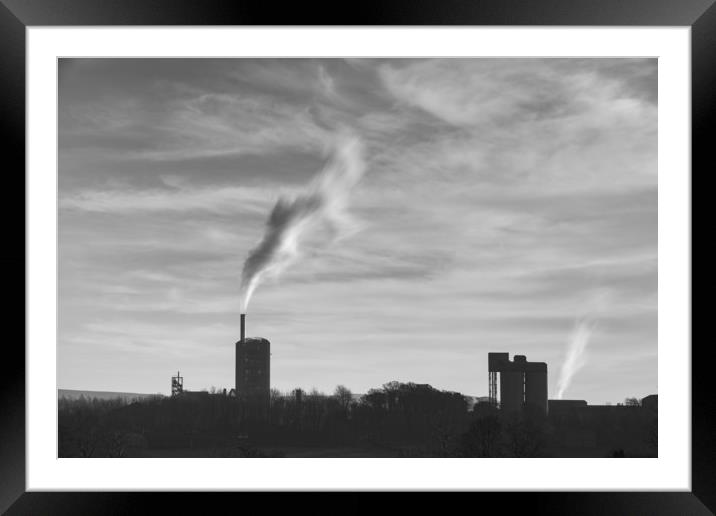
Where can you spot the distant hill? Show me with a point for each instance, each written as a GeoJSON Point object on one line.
{"type": "Point", "coordinates": [72, 394]}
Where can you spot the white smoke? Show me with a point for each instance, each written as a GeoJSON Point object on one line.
{"type": "Point", "coordinates": [576, 353]}
{"type": "Point", "coordinates": [324, 201]}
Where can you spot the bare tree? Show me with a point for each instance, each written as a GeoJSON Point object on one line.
{"type": "Point", "coordinates": [483, 436]}
{"type": "Point", "coordinates": [344, 396]}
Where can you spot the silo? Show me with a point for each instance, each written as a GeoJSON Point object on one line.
{"type": "Point", "coordinates": [511, 390]}
{"type": "Point", "coordinates": [536, 386]}
{"type": "Point", "coordinates": [522, 383]}
{"type": "Point", "coordinates": [495, 363]}
{"type": "Point", "coordinates": [253, 370]}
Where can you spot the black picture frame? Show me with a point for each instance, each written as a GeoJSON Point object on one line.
{"type": "Point", "coordinates": [17, 15]}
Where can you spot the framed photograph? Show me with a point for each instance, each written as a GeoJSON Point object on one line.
{"type": "Point", "coordinates": [415, 248]}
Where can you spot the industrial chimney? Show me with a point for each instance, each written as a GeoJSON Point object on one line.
{"type": "Point", "coordinates": [253, 371]}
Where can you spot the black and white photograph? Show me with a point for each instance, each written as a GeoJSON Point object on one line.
{"type": "Point", "coordinates": [359, 257]}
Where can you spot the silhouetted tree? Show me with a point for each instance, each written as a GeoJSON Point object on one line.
{"type": "Point", "coordinates": [402, 419]}
{"type": "Point", "coordinates": [483, 436]}
{"type": "Point", "coordinates": [115, 443]}
{"type": "Point", "coordinates": [375, 399]}
{"type": "Point", "coordinates": [653, 437]}
{"type": "Point", "coordinates": [344, 396]}
{"type": "Point", "coordinates": [652, 433]}
{"type": "Point", "coordinates": [524, 433]}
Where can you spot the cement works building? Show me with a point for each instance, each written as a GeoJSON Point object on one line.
{"type": "Point", "coordinates": [521, 383]}
{"type": "Point", "coordinates": [253, 369]}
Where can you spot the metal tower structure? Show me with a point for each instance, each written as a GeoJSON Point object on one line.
{"type": "Point", "coordinates": [177, 384]}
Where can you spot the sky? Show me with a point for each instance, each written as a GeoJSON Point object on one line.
{"type": "Point", "coordinates": [506, 205]}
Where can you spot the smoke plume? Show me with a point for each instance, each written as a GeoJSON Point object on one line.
{"type": "Point", "coordinates": [576, 358]}
{"type": "Point", "coordinates": [292, 219]}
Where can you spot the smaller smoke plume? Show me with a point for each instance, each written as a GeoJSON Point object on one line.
{"type": "Point", "coordinates": [576, 357]}
{"type": "Point", "coordinates": [291, 219]}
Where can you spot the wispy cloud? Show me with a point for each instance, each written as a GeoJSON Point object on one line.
{"type": "Point", "coordinates": [227, 200]}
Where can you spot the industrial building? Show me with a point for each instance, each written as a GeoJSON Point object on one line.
{"type": "Point", "coordinates": [178, 389]}
{"type": "Point", "coordinates": [559, 407]}
{"type": "Point", "coordinates": [521, 383]}
{"type": "Point", "coordinates": [253, 368]}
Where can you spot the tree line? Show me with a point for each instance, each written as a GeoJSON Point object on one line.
{"type": "Point", "coordinates": [402, 419]}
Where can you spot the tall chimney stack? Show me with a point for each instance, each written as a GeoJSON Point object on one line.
{"type": "Point", "coordinates": [243, 328]}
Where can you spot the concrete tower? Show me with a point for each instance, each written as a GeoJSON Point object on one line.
{"type": "Point", "coordinates": [253, 368]}
{"type": "Point", "coordinates": [522, 383]}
